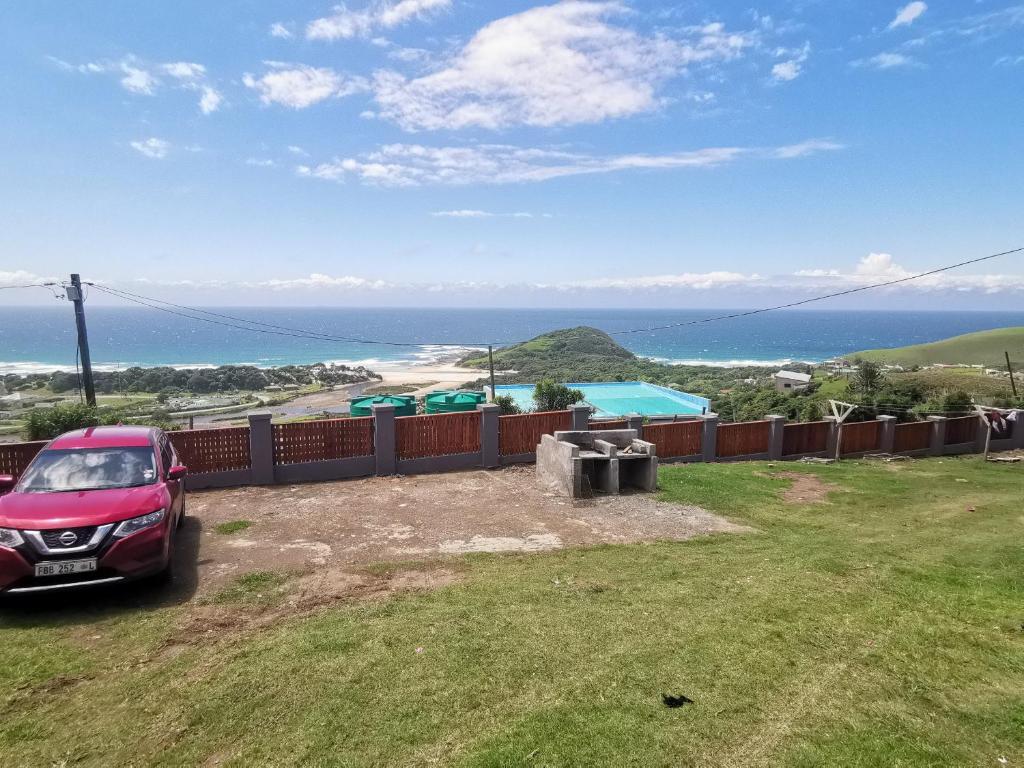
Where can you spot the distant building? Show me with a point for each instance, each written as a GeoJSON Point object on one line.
{"type": "Point", "coordinates": [790, 381]}
{"type": "Point", "coordinates": [290, 387]}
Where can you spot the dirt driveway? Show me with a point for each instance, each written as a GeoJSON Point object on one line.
{"type": "Point", "coordinates": [346, 524]}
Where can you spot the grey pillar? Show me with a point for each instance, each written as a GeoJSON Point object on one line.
{"type": "Point", "coordinates": [832, 441]}
{"type": "Point", "coordinates": [888, 437]}
{"type": "Point", "coordinates": [489, 425]}
{"type": "Point", "coordinates": [937, 445]}
{"type": "Point", "coordinates": [384, 438]}
{"type": "Point", "coordinates": [580, 417]}
{"type": "Point", "coordinates": [1018, 430]}
{"type": "Point", "coordinates": [261, 449]}
{"type": "Point", "coordinates": [636, 421]}
{"type": "Point", "coordinates": [709, 444]}
{"type": "Point", "coordinates": [776, 432]}
{"type": "Point", "coordinates": [979, 436]}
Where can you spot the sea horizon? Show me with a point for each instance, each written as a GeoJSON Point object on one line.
{"type": "Point", "coordinates": [40, 339]}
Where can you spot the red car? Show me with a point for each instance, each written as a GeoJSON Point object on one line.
{"type": "Point", "coordinates": [95, 506]}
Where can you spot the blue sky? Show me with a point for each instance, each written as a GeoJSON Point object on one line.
{"type": "Point", "coordinates": [456, 153]}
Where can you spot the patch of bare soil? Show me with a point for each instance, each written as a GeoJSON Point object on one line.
{"type": "Point", "coordinates": [805, 489]}
{"type": "Point", "coordinates": [344, 525]}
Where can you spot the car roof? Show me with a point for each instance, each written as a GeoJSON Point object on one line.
{"type": "Point", "coordinates": [106, 437]}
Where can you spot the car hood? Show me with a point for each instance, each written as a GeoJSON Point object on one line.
{"type": "Point", "coordinates": [75, 509]}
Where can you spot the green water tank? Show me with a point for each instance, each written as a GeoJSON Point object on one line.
{"type": "Point", "coordinates": [405, 405]}
{"type": "Point", "coordinates": [454, 402]}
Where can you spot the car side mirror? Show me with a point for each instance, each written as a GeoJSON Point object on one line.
{"type": "Point", "coordinates": [6, 482]}
{"type": "Point", "coordinates": [177, 472]}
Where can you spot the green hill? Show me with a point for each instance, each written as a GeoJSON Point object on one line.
{"type": "Point", "coordinates": [981, 348]}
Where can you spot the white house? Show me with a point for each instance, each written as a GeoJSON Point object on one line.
{"type": "Point", "coordinates": [791, 381]}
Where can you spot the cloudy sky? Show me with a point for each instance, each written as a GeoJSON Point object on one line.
{"type": "Point", "coordinates": [467, 153]}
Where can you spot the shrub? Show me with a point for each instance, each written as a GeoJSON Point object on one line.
{"type": "Point", "coordinates": [550, 396]}
{"type": "Point", "coordinates": [47, 423]}
{"type": "Point", "coordinates": [507, 405]}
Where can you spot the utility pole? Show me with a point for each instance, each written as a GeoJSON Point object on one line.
{"type": "Point", "coordinates": [1009, 369]}
{"type": "Point", "coordinates": [74, 292]}
{"type": "Point", "coordinates": [490, 361]}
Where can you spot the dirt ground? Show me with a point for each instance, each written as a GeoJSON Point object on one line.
{"type": "Point", "coordinates": [341, 526]}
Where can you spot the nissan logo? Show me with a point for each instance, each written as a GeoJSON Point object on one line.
{"type": "Point", "coordinates": [68, 538]}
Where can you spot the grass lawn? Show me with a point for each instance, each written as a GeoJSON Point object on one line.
{"type": "Point", "coordinates": [881, 627]}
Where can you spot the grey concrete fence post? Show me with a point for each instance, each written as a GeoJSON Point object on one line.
{"type": "Point", "coordinates": [489, 426]}
{"type": "Point", "coordinates": [979, 436]}
{"type": "Point", "coordinates": [831, 442]}
{"type": "Point", "coordinates": [580, 417]}
{"type": "Point", "coordinates": [636, 421]}
{"type": "Point", "coordinates": [888, 436]}
{"type": "Point", "coordinates": [709, 442]}
{"type": "Point", "coordinates": [384, 438]}
{"type": "Point", "coordinates": [937, 444]}
{"type": "Point", "coordinates": [776, 433]}
{"type": "Point", "coordinates": [1018, 430]}
{"type": "Point", "coordinates": [261, 449]}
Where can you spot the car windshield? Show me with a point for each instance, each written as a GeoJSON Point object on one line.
{"type": "Point", "coordinates": [89, 470]}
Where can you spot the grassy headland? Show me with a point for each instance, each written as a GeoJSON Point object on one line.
{"type": "Point", "coordinates": [981, 348]}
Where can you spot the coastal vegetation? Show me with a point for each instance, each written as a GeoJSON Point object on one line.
{"type": "Point", "coordinates": [986, 348]}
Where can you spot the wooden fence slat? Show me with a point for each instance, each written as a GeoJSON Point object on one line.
{"type": "Point", "coordinates": [961, 430]}
{"type": "Point", "coordinates": [913, 436]}
{"type": "Point", "coordinates": [521, 433]}
{"type": "Point", "coordinates": [443, 434]}
{"type": "Point", "coordinates": [212, 450]}
{"type": "Point", "coordinates": [809, 437]}
{"type": "Point", "coordinates": [742, 439]}
{"type": "Point", "coordinates": [680, 438]}
{"type": "Point", "coordinates": [860, 437]}
{"type": "Point", "coordinates": [322, 440]}
{"type": "Point", "coordinates": [15, 457]}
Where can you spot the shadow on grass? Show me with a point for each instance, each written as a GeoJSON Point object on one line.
{"type": "Point", "coordinates": [87, 604]}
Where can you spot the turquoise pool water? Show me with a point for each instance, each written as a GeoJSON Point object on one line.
{"type": "Point", "coordinates": [620, 398]}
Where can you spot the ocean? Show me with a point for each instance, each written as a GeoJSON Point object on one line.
{"type": "Point", "coordinates": [43, 338]}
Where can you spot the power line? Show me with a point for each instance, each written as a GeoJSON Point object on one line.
{"type": "Point", "coordinates": [847, 292]}
{"type": "Point", "coordinates": [281, 330]}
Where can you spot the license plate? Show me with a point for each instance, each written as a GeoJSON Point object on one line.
{"type": "Point", "coordinates": [65, 567]}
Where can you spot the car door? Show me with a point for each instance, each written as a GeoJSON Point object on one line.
{"type": "Point", "coordinates": [168, 459]}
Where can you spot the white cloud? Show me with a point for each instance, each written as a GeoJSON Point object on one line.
{"type": "Point", "coordinates": [299, 86]}
{"type": "Point", "coordinates": [317, 280]}
{"type": "Point", "coordinates": [791, 68]}
{"type": "Point", "coordinates": [345, 23]}
{"type": "Point", "coordinates": [887, 60]}
{"type": "Point", "coordinates": [552, 65]}
{"type": "Point", "coordinates": [701, 281]}
{"type": "Point", "coordinates": [406, 165]}
{"type": "Point", "coordinates": [260, 162]}
{"type": "Point", "coordinates": [471, 213]}
{"type": "Point", "coordinates": [908, 14]}
{"type": "Point", "coordinates": [1009, 61]}
{"type": "Point", "coordinates": [295, 150]}
{"type": "Point", "coordinates": [22, 277]}
{"type": "Point", "coordinates": [137, 80]}
{"type": "Point", "coordinates": [210, 100]}
{"type": "Point", "coordinates": [184, 70]}
{"type": "Point", "coordinates": [152, 147]}
{"type": "Point", "coordinates": [278, 29]}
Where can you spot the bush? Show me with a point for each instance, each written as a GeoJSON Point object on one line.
{"type": "Point", "coordinates": [507, 405]}
{"type": "Point", "coordinates": [550, 396]}
{"type": "Point", "coordinates": [47, 423]}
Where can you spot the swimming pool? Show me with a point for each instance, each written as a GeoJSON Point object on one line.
{"type": "Point", "coordinates": [620, 398]}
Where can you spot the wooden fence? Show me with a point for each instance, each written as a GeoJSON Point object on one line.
{"type": "Point", "coordinates": [860, 437]}
{"type": "Point", "coordinates": [914, 436]}
{"type": "Point", "coordinates": [811, 437]}
{"type": "Point", "coordinates": [520, 434]}
{"type": "Point", "coordinates": [304, 441]}
{"type": "Point", "coordinates": [15, 457]}
{"type": "Point", "coordinates": [443, 434]}
{"type": "Point", "coordinates": [961, 430]}
{"type": "Point", "coordinates": [742, 439]}
{"type": "Point", "coordinates": [679, 438]}
{"type": "Point", "coordinates": [213, 450]}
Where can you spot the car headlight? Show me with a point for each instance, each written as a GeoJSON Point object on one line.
{"type": "Point", "coordinates": [136, 524]}
{"type": "Point", "coordinates": [10, 538]}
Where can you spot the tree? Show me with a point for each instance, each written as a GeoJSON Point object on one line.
{"type": "Point", "coordinates": [550, 396]}
{"type": "Point", "coordinates": [507, 405]}
{"type": "Point", "coordinates": [868, 379]}
{"type": "Point", "coordinates": [48, 423]}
